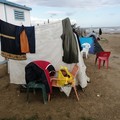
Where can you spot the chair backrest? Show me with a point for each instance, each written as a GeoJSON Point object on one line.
{"type": "Point", "coordinates": [86, 45]}
{"type": "Point", "coordinates": [104, 54]}
{"type": "Point", "coordinates": [75, 70]}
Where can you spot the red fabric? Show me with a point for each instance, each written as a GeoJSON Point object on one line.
{"type": "Point", "coordinates": [43, 65]}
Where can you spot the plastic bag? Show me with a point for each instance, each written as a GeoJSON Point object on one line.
{"type": "Point", "coordinates": [64, 75]}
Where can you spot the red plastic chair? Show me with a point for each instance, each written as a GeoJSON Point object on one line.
{"type": "Point", "coordinates": [102, 56]}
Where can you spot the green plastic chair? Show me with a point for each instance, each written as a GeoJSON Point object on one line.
{"type": "Point", "coordinates": [33, 85]}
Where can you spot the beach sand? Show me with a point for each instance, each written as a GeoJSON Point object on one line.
{"type": "Point", "coordinates": [100, 100]}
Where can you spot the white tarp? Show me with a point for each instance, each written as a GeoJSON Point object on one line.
{"type": "Point", "coordinates": [49, 48]}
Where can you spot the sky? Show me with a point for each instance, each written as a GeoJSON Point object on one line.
{"type": "Point", "coordinates": [85, 13]}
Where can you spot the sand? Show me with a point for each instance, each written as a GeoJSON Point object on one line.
{"type": "Point", "coordinates": [100, 100]}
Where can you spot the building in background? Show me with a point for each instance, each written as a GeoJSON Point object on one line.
{"type": "Point", "coordinates": [14, 13]}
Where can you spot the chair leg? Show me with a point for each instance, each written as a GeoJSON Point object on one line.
{"type": "Point", "coordinates": [86, 54]}
{"type": "Point", "coordinates": [96, 60]}
{"type": "Point", "coordinates": [99, 64]}
{"type": "Point", "coordinates": [49, 97]}
{"type": "Point", "coordinates": [74, 87]}
{"type": "Point", "coordinates": [27, 94]}
{"type": "Point", "coordinates": [45, 98]}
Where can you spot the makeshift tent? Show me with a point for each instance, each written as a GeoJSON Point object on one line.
{"type": "Point", "coordinates": [88, 40]}
{"type": "Point", "coordinates": [95, 46]}
{"type": "Point", "coordinates": [48, 47]}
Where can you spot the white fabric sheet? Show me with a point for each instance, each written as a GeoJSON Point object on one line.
{"type": "Point", "coordinates": [49, 48]}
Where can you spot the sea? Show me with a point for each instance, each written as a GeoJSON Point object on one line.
{"type": "Point", "coordinates": [105, 30]}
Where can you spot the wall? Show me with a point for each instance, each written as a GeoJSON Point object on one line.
{"type": "Point", "coordinates": [10, 15]}
{"type": "Point", "coordinates": [2, 13]}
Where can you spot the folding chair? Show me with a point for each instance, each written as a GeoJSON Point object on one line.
{"type": "Point", "coordinates": [55, 80]}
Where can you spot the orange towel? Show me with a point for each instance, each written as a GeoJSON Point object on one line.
{"type": "Point", "coordinates": [24, 42]}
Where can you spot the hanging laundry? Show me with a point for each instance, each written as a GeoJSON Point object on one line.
{"type": "Point", "coordinates": [24, 42]}
{"type": "Point", "coordinates": [8, 42]}
{"type": "Point", "coordinates": [22, 34]}
{"type": "Point", "coordinates": [70, 49]}
{"type": "Point", "coordinates": [16, 41]}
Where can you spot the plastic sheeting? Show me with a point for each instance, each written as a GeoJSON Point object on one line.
{"type": "Point", "coordinates": [90, 41]}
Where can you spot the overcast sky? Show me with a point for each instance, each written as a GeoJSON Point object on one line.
{"type": "Point", "coordinates": [86, 13]}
